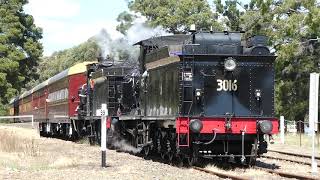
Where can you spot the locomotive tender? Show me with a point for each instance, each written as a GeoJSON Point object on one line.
{"type": "Point", "coordinates": [202, 95]}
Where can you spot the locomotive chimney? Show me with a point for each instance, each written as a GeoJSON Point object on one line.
{"type": "Point", "coordinates": [100, 58]}
{"type": "Point", "coordinates": [105, 61]}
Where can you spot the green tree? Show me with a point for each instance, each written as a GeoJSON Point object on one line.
{"type": "Point", "coordinates": [177, 16]}
{"type": "Point", "coordinates": [20, 48]}
{"type": "Point", "coordinates": [61, 60]}
{"type": "Point", "coordinates": [290, 25]}
{"type": "Point", "coordinates": [231, 13]}
{"type": "Point", "coordinates": [126, 21]}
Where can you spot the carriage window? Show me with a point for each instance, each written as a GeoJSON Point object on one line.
{"type": "Point", "coordinates": [58, 95]}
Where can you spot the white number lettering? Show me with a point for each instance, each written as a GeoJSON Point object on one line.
{"type": "Point", "coordinates": [219, 84]}
{"type": "Point", "coordinates": [234, 85]}
{"type": "Point", "coordinates": [227, 85]}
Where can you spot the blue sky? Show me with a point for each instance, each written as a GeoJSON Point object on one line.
{"type": "Point", "coordinates": [67, 23]}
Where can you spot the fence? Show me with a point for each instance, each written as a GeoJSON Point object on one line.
{"type": "Point", "coordinates": [17, 117]}
{"type": "Point", "coordinates": [298, 133]}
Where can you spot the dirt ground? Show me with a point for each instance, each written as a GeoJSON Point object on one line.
{"type": "Point", "coordinates": [24, 155]}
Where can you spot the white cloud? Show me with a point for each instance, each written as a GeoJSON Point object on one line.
{"type": "Point", "coordinates": [50, 8]}
{"type": "Point", "coordinates": [80, 32]}
{"type": "Point", "coordinates": [63, 25]}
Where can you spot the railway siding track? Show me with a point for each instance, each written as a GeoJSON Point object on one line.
{"type": "Point", "coordinates": [293, 154]}
{"type": "Point", "coordinates": [288, 175]}
{"type": "Point", "coordinates": [286, 159]}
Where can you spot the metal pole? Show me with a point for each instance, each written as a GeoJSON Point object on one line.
{"type": "Point", "coordinates": [104, 114]}
{"type": "Point", "coordinates": [313, 115]}
{"type": "Point", "coordinates": [32, 121]}
{"type": "Point", "coordinates": [300, 131]}
{"type": "Point", "coordinates": [282, 129]}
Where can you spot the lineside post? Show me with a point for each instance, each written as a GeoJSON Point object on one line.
{"type": "Point", "coordinates": [282, 129]}
{"type": "Point", "coordinates": [32, 121]}
{"type": "Point", "coordinates": [313, 114]}
{"type": "Point", "coordinates": [104, 114]}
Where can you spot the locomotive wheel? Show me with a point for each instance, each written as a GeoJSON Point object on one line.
{"type": "Point", "coordinates": [179, 161]}
{"type": "Point", "coordinates": [163, 155]}
{"type": "Point", "coordinates": [192, 159]}
{"type": "Point", "coordinates": [146, 151]}
{"type": "Point", "coordinates": [91, 140]}
{"type": "Point", "coordinates": [170, 156]}
{"type": "Point", "coordinates": [251, 161]}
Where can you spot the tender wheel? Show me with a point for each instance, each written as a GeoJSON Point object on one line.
{"type": "Point", "coordinates": [192, 159]}
{"type": "Point", "coordinates": [179, 161]}
{"type": "Point", "coordinates": [251, 161]}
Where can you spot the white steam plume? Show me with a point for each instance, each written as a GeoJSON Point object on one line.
{"type": "Point", "coordinates": [122, 49]}
{"type": "Point", "coordinates": [124, 146]}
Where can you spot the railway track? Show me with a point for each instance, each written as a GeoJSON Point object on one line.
{"type": "Point", "coordinates": [286, 159]}
{"type": "Point", "coordinates": [220, 174]}
{"type": "Point", "coordinates": [287, 175]}
{"type": "Point", "coordinates": [238, 177]}
{"type": "Point", "coordinates": [293, 154]}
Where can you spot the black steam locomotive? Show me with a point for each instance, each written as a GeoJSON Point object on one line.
{"type": "Point", "coordinates": [207, 94]}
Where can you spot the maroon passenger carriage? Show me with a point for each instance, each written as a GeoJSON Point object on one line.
{"type": "Point", "coordinates": [54, 102]}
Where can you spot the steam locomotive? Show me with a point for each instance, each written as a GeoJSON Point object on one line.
{"type": "Point", "coordinates": [202, 95]}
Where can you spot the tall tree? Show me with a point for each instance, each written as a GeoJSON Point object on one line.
{"type": "Point", "coordinates": [177, 16]}
{"type": "Point", "coordinates": [20, 48]}
{"type": "Point", "coordinates": [231, 12]}
{"type": "Point", "coordinates": [125, 20]}
{"type": "Point", "coordinates": [290, 25]}
{"type": "Point", "coordinates": [61, 60]}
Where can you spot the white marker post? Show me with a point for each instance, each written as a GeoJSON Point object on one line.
{"type": "Point", "coordinates": [282, 129]}
{"type": "Point", "coordinates": [313, 114]}
{"type": "Point", "coordinates": [104, 114]}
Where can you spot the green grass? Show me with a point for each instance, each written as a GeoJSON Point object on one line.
{"type": "Point", "coordinates": [6, 121]}
{"type": "Point", "coordinates": [294, 139]}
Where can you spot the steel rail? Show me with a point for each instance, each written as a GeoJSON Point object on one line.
{"type": "Point", "coordinates": [220, 174]}
{"type": "Point", "coordinates": [287, 175]}
{"type": "Point", "coordinates": [293, 154]}
{"type": "Point", "coordinates": [290, 160]}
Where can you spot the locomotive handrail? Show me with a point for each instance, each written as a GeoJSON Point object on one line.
{"type": "Point", "coordinates": [208, 75]}
{"type": "Point", "coordinates": [211, 141]}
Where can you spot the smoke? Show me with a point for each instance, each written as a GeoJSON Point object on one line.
{"type": "Point", "coordinates": [122, 49]}
{"type": "Point", "coordinates": [124, 146]}
{"type": "Point", "coordinates": [140, 31]}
